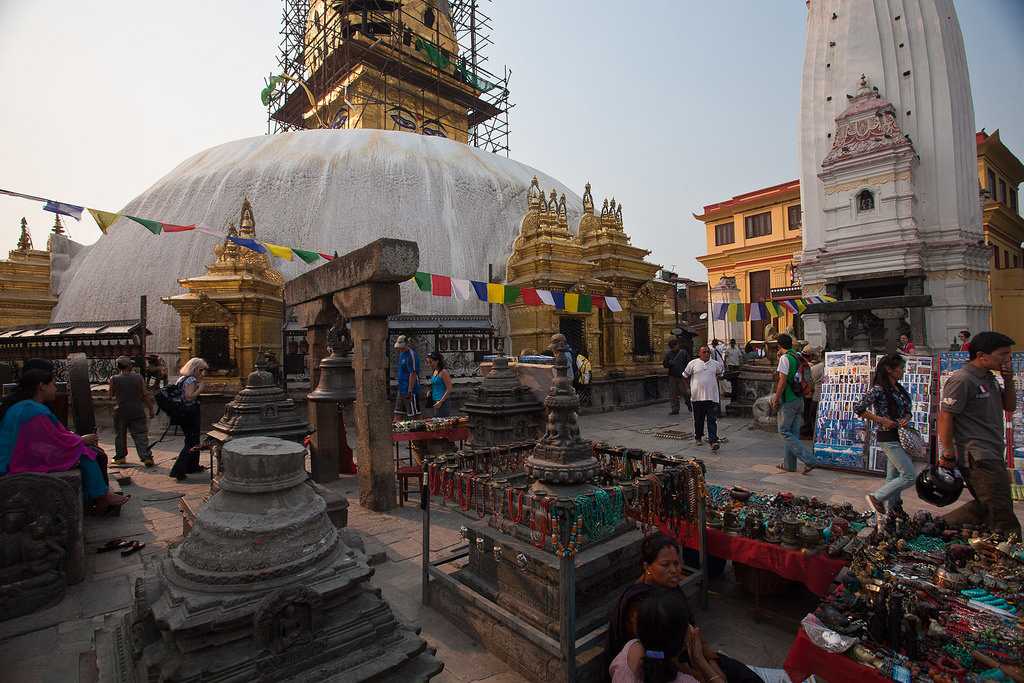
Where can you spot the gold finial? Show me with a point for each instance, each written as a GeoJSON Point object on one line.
{"type": "Point", "coordinates": [588, 200]}
{"type": "Point", "coordinates": [618, 216]}
{"type": "Point", "coordinates": [25, 240]}
{"type": "Point", "coordinates": [58, 227]}
{"type": "Point", "coordinates": [562, 211]}
{"type": "Point", "coordinates": [534, 197]}
{"type": "Point", "coordinates": [604, 209]}
{"type": "Point", "coordinates": [246, 222]}
{"type": "Point", "coordinates": [613, 205]}
{"type": "Point", "coordinates": [553, 202]}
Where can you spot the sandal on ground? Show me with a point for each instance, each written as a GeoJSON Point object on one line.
{"type": "Point", "coordinates": [148, 462]}
{"type": "Point", "coordinates": [782, 468]}
{"type": "Point", "coordinates": [106, 508]}
{"type": "Point", "coordinates": [120, 461]}
{"type": "Point", "coordinates": [133, 547]}
{"type": "Point", "coordinates": [807, 469]}
{"type": "Point", "coordinates": [114, 544]}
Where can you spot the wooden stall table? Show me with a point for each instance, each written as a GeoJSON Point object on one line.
{"type": "Point", "coordinates": [412, 471]}
{"type": "Point", "coordinates": [816, 571]}
{"type": "Point", "coordinates": [805, 658]}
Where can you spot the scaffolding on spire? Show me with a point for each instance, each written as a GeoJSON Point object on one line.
{"type": "Point", "coordinates": [381, 64]}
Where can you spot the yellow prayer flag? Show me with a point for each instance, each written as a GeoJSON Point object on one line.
{"type": "Point", "coordinates": [281, 252]}
{"type": "Point", "coordinates": [495, 293]}
{"type": "Point", "coordinates": [572, 302]}
{"type": "Point", "coordinates": [104, 219]}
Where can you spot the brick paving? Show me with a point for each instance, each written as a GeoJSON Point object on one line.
{"type": "Point", "coordinates": [59, 644]}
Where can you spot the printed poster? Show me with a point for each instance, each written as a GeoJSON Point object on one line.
{"type": "Point", "coordinates": [839, 435]}
{"type": "Point", "coordinates": [917, 380]}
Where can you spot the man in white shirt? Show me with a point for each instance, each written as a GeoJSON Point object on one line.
{"type": "Point", "coordinates": [703, 374]}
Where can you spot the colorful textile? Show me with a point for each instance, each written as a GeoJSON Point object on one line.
{"type": "Point", "coordinates": [530, 297]}
{"type": "Point", "coordinates": [806, 659]}
{"type": "Point", "coordinates": [32, 439]}
{"type": "Point", "coordinates": [463, 289]}
{"type": "Point", "coordinates": [175, 228]}
{"type": "Point", "coordinates": [279, 251]}
{"type": "Point", "coordinates": [247, 243]}
{"type": "Point", "coordinates": [546, 297]}
{"type": "Point", "coordinates": [104, 219]}
{"type": "Point", "coordinates": [307, 256]}
{"type": "Point", "coordinates": [434, 54]}
{"type": "Point", "coordinates": [613, 303]}
{"type": "Point", "coordinates": [597, 301]}
{"type": "Point", "coordinates": [572, 302]}
{"type": "Point", "coordinates": [423, 281]}
{"type": "Point", "coordinates": [558, 300]}
{"type": "Point", "coordinates": [814, 571]}
{"type": "Point", "coordinates": [440, 285]}
{"type": "Point", "coordinates": [64, 209]}
{"type": "Point", "coordinates": [153, 226]}
{"type": "Point", "coordinates": [481, 290]}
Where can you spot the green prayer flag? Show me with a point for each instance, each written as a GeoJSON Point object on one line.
{"type": "Point", "coordinates": [511, 294]}
{"type": "Point", "coordinates": [423, 281]}
{"type": "Point", "coordinates": [153, 226]}
{"type": "Point", "coordinates": [435, 55]}
{"type": "Point", "coordinates": [586, 303]}
{"type": "Point", "coordinates": [307, 256]}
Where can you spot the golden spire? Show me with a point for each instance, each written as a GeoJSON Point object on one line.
{"type": "Point", "coordinates": [534, 197]}
{"type": "Point", "coordinates": [588, 200]}
{"type": "Point", "coordinates": [25, 240]}
{"type": "Point", "coordinates": [246, 222]}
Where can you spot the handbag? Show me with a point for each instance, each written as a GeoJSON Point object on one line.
{"type": "Point", "coordinates": [913, 443]}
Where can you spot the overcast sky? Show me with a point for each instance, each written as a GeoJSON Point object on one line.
{"type": "Point", "coordinates": [679, 105]}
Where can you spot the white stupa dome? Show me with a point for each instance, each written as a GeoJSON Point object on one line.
{"type": "Point", "coordinates": [324, 190]}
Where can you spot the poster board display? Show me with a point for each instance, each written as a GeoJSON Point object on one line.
{"type": "Point", "coordinates": [917, 380]}
{"type": "Point", "coordinates": [839, 435]}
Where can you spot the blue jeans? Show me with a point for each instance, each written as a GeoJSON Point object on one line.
{"type": "Point", "coordinates": [899, 474]}
{"type": "Point", "coordinates": [791, 415]}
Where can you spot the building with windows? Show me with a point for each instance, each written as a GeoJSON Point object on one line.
{"type": "Point", "coordinates": [1000, 173]}
{"type": "Point", "coordinates": [752, 238]}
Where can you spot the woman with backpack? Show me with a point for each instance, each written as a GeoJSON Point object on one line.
{"type": "Point", "coordinates": [888, 405]}
{"type": "Point", "coordinates": [190, 384]}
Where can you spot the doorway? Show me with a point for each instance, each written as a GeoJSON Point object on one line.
{"type": "Point", "coordinates": [760, 286]}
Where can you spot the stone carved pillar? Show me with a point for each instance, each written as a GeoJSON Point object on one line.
{"type": "Point", "coordinates": [373, 414]}
{"type": "Point", "coordinates": [835, 330]}
{"type": "Point", "coordinates": [892, 318]}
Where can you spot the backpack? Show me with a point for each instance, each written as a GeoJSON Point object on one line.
{"type": "Point", "coordinates": [799, 380]}
{"type": "Point", "coordinates": [171, 400]}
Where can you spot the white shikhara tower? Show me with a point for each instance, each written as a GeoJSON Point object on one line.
{"type": "Point", "coordinates": [888, 174]}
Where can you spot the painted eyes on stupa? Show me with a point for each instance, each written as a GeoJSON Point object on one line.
{"type": "Point", "coordinates": [434, 128]}
{"type": "Point", "coordinates": [403, 118]}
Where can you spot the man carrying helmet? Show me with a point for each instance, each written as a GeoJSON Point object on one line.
{"type": "Point", "coordinates": [972, 434]}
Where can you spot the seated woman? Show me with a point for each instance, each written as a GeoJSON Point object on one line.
{"type": "Point", "coordinates": [663, 569]}
{"type": "Point", "coordinates": [667, 648]}
{"type": "Point", "coordinates": [32, 439]}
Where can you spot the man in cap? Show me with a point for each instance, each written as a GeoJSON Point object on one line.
{"type": "Point", "coordinates": [406, 404]}
{"type": "Point", "coordinates": [132, 403]}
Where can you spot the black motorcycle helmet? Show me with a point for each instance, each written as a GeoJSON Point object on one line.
{"type": "Point", "coordinates": [939, 486]}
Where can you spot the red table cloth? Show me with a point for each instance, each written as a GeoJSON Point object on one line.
{"type": "Point", "coordinates": [814, 571]}
{"type": "Point", "coordinates": [806, 658]}
{"type": "Point", "coordinates": [457, 434]}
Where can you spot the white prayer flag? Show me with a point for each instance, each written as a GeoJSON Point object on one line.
{"type": "Point", "coordinates": [612, 303]}
{"type": "Point", "coordinates": [546, 297]}
{"type": "Point", "coordinates": [463, 289]}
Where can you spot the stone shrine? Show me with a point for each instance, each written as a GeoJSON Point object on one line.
{"type": "Point", "coordinates": [518, 574]}
{"type": "Point", "coordinates": [888, 177]}
{"type": "Point", "coordinates": [502, 410]}
{"type": "Point", "coordinates": [41, 540]}
{"type": "Point", "coordinates": [267, 572]}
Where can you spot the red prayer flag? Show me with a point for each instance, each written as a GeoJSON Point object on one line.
{"type": "Point", "coordinates": [530, 296]}
{"type": "Point", "coordinates": [326, 257]}
{"type": "Point", "coordinates": [440, 285]}
{"type": "Point", "coordinates": [177, 228]}
{"type": "Point", "coordinates": [597, 301]}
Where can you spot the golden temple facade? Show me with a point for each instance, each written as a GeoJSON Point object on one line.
{"type": "Point", "coordinates": [597, 260]}
{"type": "Point", "coordinates": [25, 294]}
{"type": "Point", "coordinates": [233, 313]}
